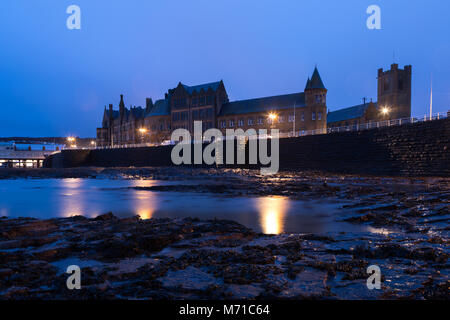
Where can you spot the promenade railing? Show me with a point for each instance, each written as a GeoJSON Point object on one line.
{"type": "Point", "coordinates": [351, 127]}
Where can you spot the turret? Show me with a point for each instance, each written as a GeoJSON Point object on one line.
{"type": "Point", "coordinates": [315, 91]}
{"type": "Point", "coordinates": [316, 102]}
{"type": "Point", "coordinates": [121, 106]}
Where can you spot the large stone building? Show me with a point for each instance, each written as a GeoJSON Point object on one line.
{"type": "Point", "coordinates": [295, 113]}
{"type": "Point", "coordinates": [394, 101]}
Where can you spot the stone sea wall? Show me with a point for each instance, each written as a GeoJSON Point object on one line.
{"type": "Point", "coordinates": [420, 149]}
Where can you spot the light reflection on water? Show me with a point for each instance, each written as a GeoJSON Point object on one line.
{"type": "Point", "coordinates": [48, 198]}
{"type": "Point", "coordinates": [271, 212]}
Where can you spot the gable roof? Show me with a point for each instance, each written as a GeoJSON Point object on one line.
{"type": "Point", "coordinates": [348, 113]}
{"type": "Point", "coordinates": [264, 104]}
{"type": "Point", "coordinates": [213, 85]}
{"type": "Point", "coordinates": [160, 108]}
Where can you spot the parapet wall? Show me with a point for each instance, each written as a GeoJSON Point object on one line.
{"type": "Point", "coordinates": [420, 149]}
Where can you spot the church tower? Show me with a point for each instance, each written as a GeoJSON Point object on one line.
{"type": "Point", "coordinates": [394, 92]}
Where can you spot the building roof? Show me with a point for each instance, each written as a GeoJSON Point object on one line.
{"type": "Point", "coordinates": [138, 112]}
{"type": "Point", "coordinates": [348, 113]}
{"type": "Point", "coordinates": [264, 104]}
{"type": "Point", "coordinates": [213, 85]}
{"type": "Point", "coordinates": [160, 108]}
{"type": "Point", "coordinates": [307, 83]}
{"type": "Point", "coordinates": [116, 113]}
{"type": "Point", "coordinates": [316, 81]}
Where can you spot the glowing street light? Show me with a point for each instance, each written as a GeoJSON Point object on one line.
{"type": "Point", "coordinates": [385, 111]}
{"type": "Point", "coordinates": [142, 131]}
{"type": "Point", "coordinates": [272, 116]}
{"type": "Point", "coordinates": [70, 139]}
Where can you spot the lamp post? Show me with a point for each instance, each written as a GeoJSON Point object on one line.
{"type": "Point", "coordinates": [72, 142]}
{"type": "Point", "coordinates": [142, 131]}
{"type": "Point", "coordinates": [272, 117]}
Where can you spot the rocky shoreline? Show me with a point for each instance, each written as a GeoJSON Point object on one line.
{"type": "Point", "coordinates": [407, 237]}
{"type": "Point", "coordinates": [193, 259]}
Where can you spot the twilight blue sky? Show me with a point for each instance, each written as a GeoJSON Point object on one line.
{"type": "Point", "coordinates": [56, 82]}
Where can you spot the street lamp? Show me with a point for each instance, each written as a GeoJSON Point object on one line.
{"type": "Point", "coordinates": [272, 116]}
{"type": "Point", "coordinates": [385, 111]}
{"type": "Point", "coordinates": [72, 142]}
{"type": "Point", "coordinates": [142, 131]}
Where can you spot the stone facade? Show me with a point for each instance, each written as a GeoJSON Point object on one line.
{"type": "Point", "coordinates": [419, 149]}
{"type": "Point", "coordinates": [394, 101]}
{"type": "Point", "coordinates": [293, 114]}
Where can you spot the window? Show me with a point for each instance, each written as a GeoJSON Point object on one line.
{"type": "Point", "coordinates": [313, 116]}
{"type": "Point", "coordinates": [240, 123]}
{"type": "Point", "coordinates": [281, 119]}
{"type": "Point", "coordinates": [291, 118]}
{"type": "Point", "coordinates": [209, 113]}
{"type": "Point", "coordinates": [176, 116]}
{"type": "Point", "coordinates": [303, 116]}
{"type": "Point", "coordinates": [231, 123]}
{"type": "Point", "coordinates": [387, 84]}
{"type": "Point", "coordinates": [206, 125]}
{"type": "Point", "coordinates": [202, 101]}
{"type": "Point", "coordinates": [194, 101]}
{"type": "Point", "coordinates": [260, 120]}
{"type": "Point", "coordinates": [209, 100]}
{"type": "Point", "coordinates": [223, 124]}
{"type": "Point", "coordinates": [318, 98]}
{"type": "Point", "coordinates": [195, 114]}
{"type": "Point", "coordinates": [201, 114]}
{"type": "Point", "coordinates": [250, 121]}
{"type": "Point", "coordinates": [180, 103]}
{"type": "Point", "coordinates": [319, 116]}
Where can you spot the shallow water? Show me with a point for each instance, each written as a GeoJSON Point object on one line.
{"type": "Point", "coordinates": [49, 198]}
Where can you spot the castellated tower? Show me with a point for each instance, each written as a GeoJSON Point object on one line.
{"type": "Point", "coordinates": [394, 92]}
{"type": "Point", "coordinates": [316, 101]}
